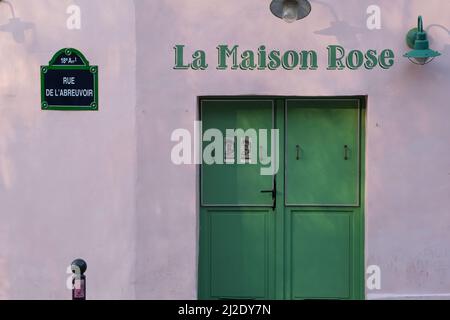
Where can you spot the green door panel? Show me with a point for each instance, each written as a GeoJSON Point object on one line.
{"type": "Point", "coordinates": [322, 150]}
{"type": "Point", "coordinates": [236, 184]}
{"type": "Point", "coordinates": [321, 254]}
{"type": "Point", "coordinates": [240, 253]}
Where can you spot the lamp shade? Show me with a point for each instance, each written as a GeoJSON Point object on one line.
{"type": "Point", "coordinates": [279, 8]}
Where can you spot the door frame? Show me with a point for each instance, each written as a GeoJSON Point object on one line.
{"type": "Point", "coordinates": [280, 118]}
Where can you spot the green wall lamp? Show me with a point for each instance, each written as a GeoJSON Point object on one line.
{"type": "Point", "coordinates": [417, 40]}
{"type": "Point", "coordinates": [290, 10]}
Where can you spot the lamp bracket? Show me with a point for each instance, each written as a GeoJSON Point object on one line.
{"type": "Point", "coordinates": [411, 37]}
{"type": "Point", "coordinates": [412, 34]}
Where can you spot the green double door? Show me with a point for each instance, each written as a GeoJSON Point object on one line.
{"type": "Point", "coordinates": [296, 234]}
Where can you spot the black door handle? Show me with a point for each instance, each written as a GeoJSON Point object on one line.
{"type": "Point", "coordinates": [273, 192]}
{"type": "Point", "coordinates": [269, 191]}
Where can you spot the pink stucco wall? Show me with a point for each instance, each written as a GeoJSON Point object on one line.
{"type": "Point", "coordinates": [102, 186]}
{"type": "Point", "coordinates": [408, 136]}
{"type": "Point", "coordinates": [67, 179]}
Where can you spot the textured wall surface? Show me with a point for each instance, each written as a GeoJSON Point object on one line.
{"type": "Point", "coordinates": [67, 179]}
{"type": "Point", "coordinates": [102, 185]}
{"type": "Point", "coordinates": [408, 136]}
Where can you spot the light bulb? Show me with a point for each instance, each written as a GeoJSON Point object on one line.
{"type": "Point", "coordinates": [421, 61]}
{"type": "Point", "coordinates": [290, 11]}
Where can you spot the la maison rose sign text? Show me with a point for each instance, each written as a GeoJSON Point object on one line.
{"type": "Point", "coordinates": [233, 58]}
{"type": "Point", "coordinates": [69, 82]}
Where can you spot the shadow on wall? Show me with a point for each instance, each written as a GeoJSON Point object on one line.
{"type": "Point", "coordinates": [446, 50]}
{"type": "Point", "coordinates": [18, 30]}
{"type": "Point", "coordinates": [345, 34]}
{"type": "Point", "coordinates": [15, 26]}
